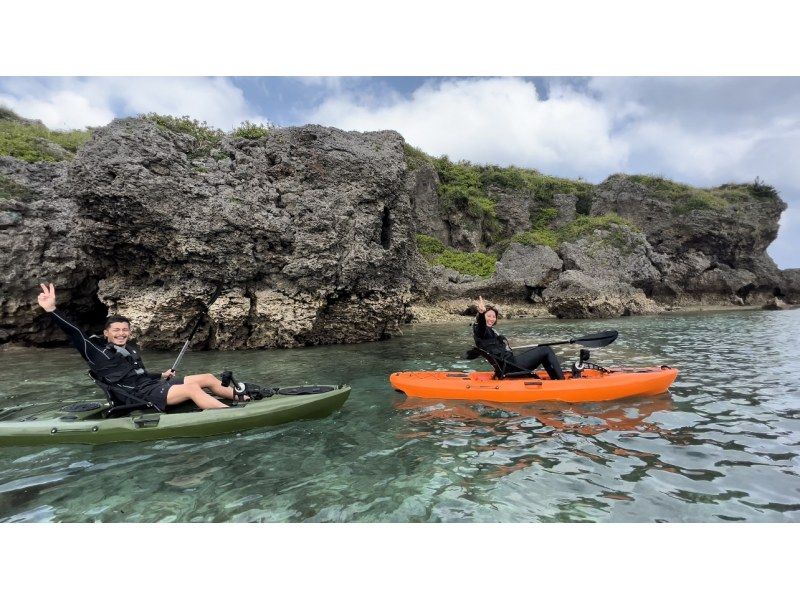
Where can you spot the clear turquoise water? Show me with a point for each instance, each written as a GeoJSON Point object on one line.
{"type": "Point", "coordinates": [722, 447]}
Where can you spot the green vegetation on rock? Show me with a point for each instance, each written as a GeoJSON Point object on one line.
{"type": "Point", "coordinates": [206, 137]}
{"type": "Point", "coordinates": [473, 263]}
{"type": "Point", "coordinates": [760, 189]}
{"type": "Point", "coordinates": [571, 231]}
{"type": "Point", "coordinates": [429, 246]}
{"type": "Point", "coordinates": [542, 217]}
{"type": "Point", "coordinates": [462, 190]}
{"type": "Point", "coordinates": [248, 130]}
{"type": "Point", "coordinates": [31, 141]}
{"type": "Point", "coordinates": [544, 187]}
{"type": "Point", "coordinates": [466, 188]}
{"type": "Point", "coordinates": [536, 237]}
{"type": "Point", "coordinates": [684, 198]}
{"type": "Point", "coordinates": [415, 157]}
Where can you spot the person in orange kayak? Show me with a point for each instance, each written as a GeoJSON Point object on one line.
{"type": "Point", "coordinates": [494, 343]}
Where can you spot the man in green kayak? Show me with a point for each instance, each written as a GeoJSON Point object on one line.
{"type": "Point", "coordinates": [116, 362]}
{"type": "Point", "coordinates": [489, 340]}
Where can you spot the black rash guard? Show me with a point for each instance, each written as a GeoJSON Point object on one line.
{"type": "Point", "coordinates": [488, 340]}
{"type": "Point", "coordinates": [105, 361]}
{"type": "Point", "coordinates": [494, 343]}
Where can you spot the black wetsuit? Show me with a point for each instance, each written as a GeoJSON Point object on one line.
{"type": "Point", "coordinates": [494, 343]}
{"type": "Point", "coordinates": [119, 367]}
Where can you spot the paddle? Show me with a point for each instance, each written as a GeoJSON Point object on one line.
{"type": "Point", "coordinates": [195, 327]}
{"type": "Point", "coordinates": [596, 340]}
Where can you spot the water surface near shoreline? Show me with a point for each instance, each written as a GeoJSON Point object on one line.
{"type": "Point", "coordinates": [723, 446]}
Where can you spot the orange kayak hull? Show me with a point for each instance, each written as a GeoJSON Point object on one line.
{"type": "Point", "coordinates": [592, 386]}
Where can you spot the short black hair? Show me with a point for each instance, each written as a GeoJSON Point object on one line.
{"type": "Point", "coordinates": [114, 319]}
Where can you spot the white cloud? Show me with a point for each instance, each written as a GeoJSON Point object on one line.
{"type": "Point", "coordinates": [709, 131]}
{"type": "Point", "coordinates": [502, 121]}
{"type": "Point", "coordinates": [701, 131]}
{"type": "Point", "coordinates": [67, 103]}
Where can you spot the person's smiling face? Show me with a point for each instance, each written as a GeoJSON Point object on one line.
{"type": "Point", "coordinates": [118, 333]}
{"type": "Point", "coordinates": [491, 317]}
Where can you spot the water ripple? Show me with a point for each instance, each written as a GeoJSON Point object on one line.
{"type": "Point", "coordinates": [723, 446]}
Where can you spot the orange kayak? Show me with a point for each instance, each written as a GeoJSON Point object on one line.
{"type": "Point", "coordinates": [592, 386]}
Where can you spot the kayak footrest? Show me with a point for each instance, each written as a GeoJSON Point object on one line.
{"type": "Point", "coordinates": [149, 420]}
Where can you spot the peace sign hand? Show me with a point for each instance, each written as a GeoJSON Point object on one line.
{"type": "Point", "coordinates": [480, 304]}
{"type": "Point", "coordinates": [47, 298]}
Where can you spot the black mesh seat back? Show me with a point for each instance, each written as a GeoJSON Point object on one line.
{"type": "Point", "coordinates": [117, 396]}
{"type": "Point", "coordinates": [496, 363]}
{"type": "Point", "coordinates": [305, 390]}
{"type": "Point", "coordinates": [502, 367]}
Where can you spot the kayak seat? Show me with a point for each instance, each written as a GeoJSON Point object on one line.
{"type": "Point", "coordinates": [122, 402]}
{"type": "Point", "coordinates": [502, 367]}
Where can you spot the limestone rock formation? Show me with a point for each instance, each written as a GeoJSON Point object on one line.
{"type": "Point", "coordinates": [311, 233]}
{"type": "Point", "coordinates": [534, 267]}
{"type": "Point", "coordinates": [614, 254]}
{"type": "Point", "coordinates": [577, 295]}
{"type": "Point", "coordinates": [307, 228]}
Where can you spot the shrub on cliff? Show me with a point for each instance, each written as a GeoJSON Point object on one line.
{"type": "Point", "coordinates": [472, 263]}
{"type": "Point", "coordinates": [248, 130]}
{"type": "Point", "coordinates": [429, 246]}
{"type": "Point", "coordinates": [206, 137]}
{"type": "Point", "coordinates": [760, 189]}
{"type": "Point", "coordinates": [31, 141]}
{"type": "Point", "coordinates": [571, 231]}
{"type": "Point", "coordinates": [462, 190]}
{"type": "Point", "coordinates": [684, 198]}
{"type": "Point", "coordinates": [415, 157]}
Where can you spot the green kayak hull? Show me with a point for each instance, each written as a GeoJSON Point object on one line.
{"type": "Point", "coordinates": [79, 423]}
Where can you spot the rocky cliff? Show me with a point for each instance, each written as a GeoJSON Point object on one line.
{"type": "Point", "coordinates": [307, 229]}
{"type": "Point", "coordinates": [630, 245]}
{"type": "Point", "coordinates": [317, 235]}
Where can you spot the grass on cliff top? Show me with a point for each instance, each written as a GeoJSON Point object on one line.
{"type": "Point", "coordinates": [568, 233]}
{"type": "Point", "coordinates": [466, 188]}
{"type": "Point", "coordinates": [472, 263]}
{"type": "Point", "coordinates": [686, 198]}
{"type": "Point", "coordinates": [248, 130]}
{"type": "Point", "coordinates": [30, 140]}
{"type": "Point", "coordinates": [415, 157]}
{"type": "Point", "coordinates": [206, 137]}
{"type": "Point", "coordinates": [543, 186]}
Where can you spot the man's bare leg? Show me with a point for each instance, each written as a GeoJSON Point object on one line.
{"type": "Point", "coordinates": [210, 382]}
{"type": "Point", "coordinates": [192, 391]}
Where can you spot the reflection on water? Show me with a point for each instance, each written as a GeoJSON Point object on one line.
{"type": "Point", "coordinates": [723, 446]}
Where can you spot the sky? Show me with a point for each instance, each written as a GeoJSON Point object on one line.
{"type": "Point", "coordinates": [704, 131]}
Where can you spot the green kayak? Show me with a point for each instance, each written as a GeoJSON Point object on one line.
{"type": "Point", "coordinates": [84, 422]}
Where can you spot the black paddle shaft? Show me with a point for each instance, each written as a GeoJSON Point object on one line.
{"type": "Point", "coordinates": [197, 323]}
{"type": "Point", "coordinates": [596, 340]}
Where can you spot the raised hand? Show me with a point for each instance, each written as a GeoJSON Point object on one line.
{"type": "Point", "coordinates": [47, 298]}
{"type": "Point", "coordinates": [480, 304]}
